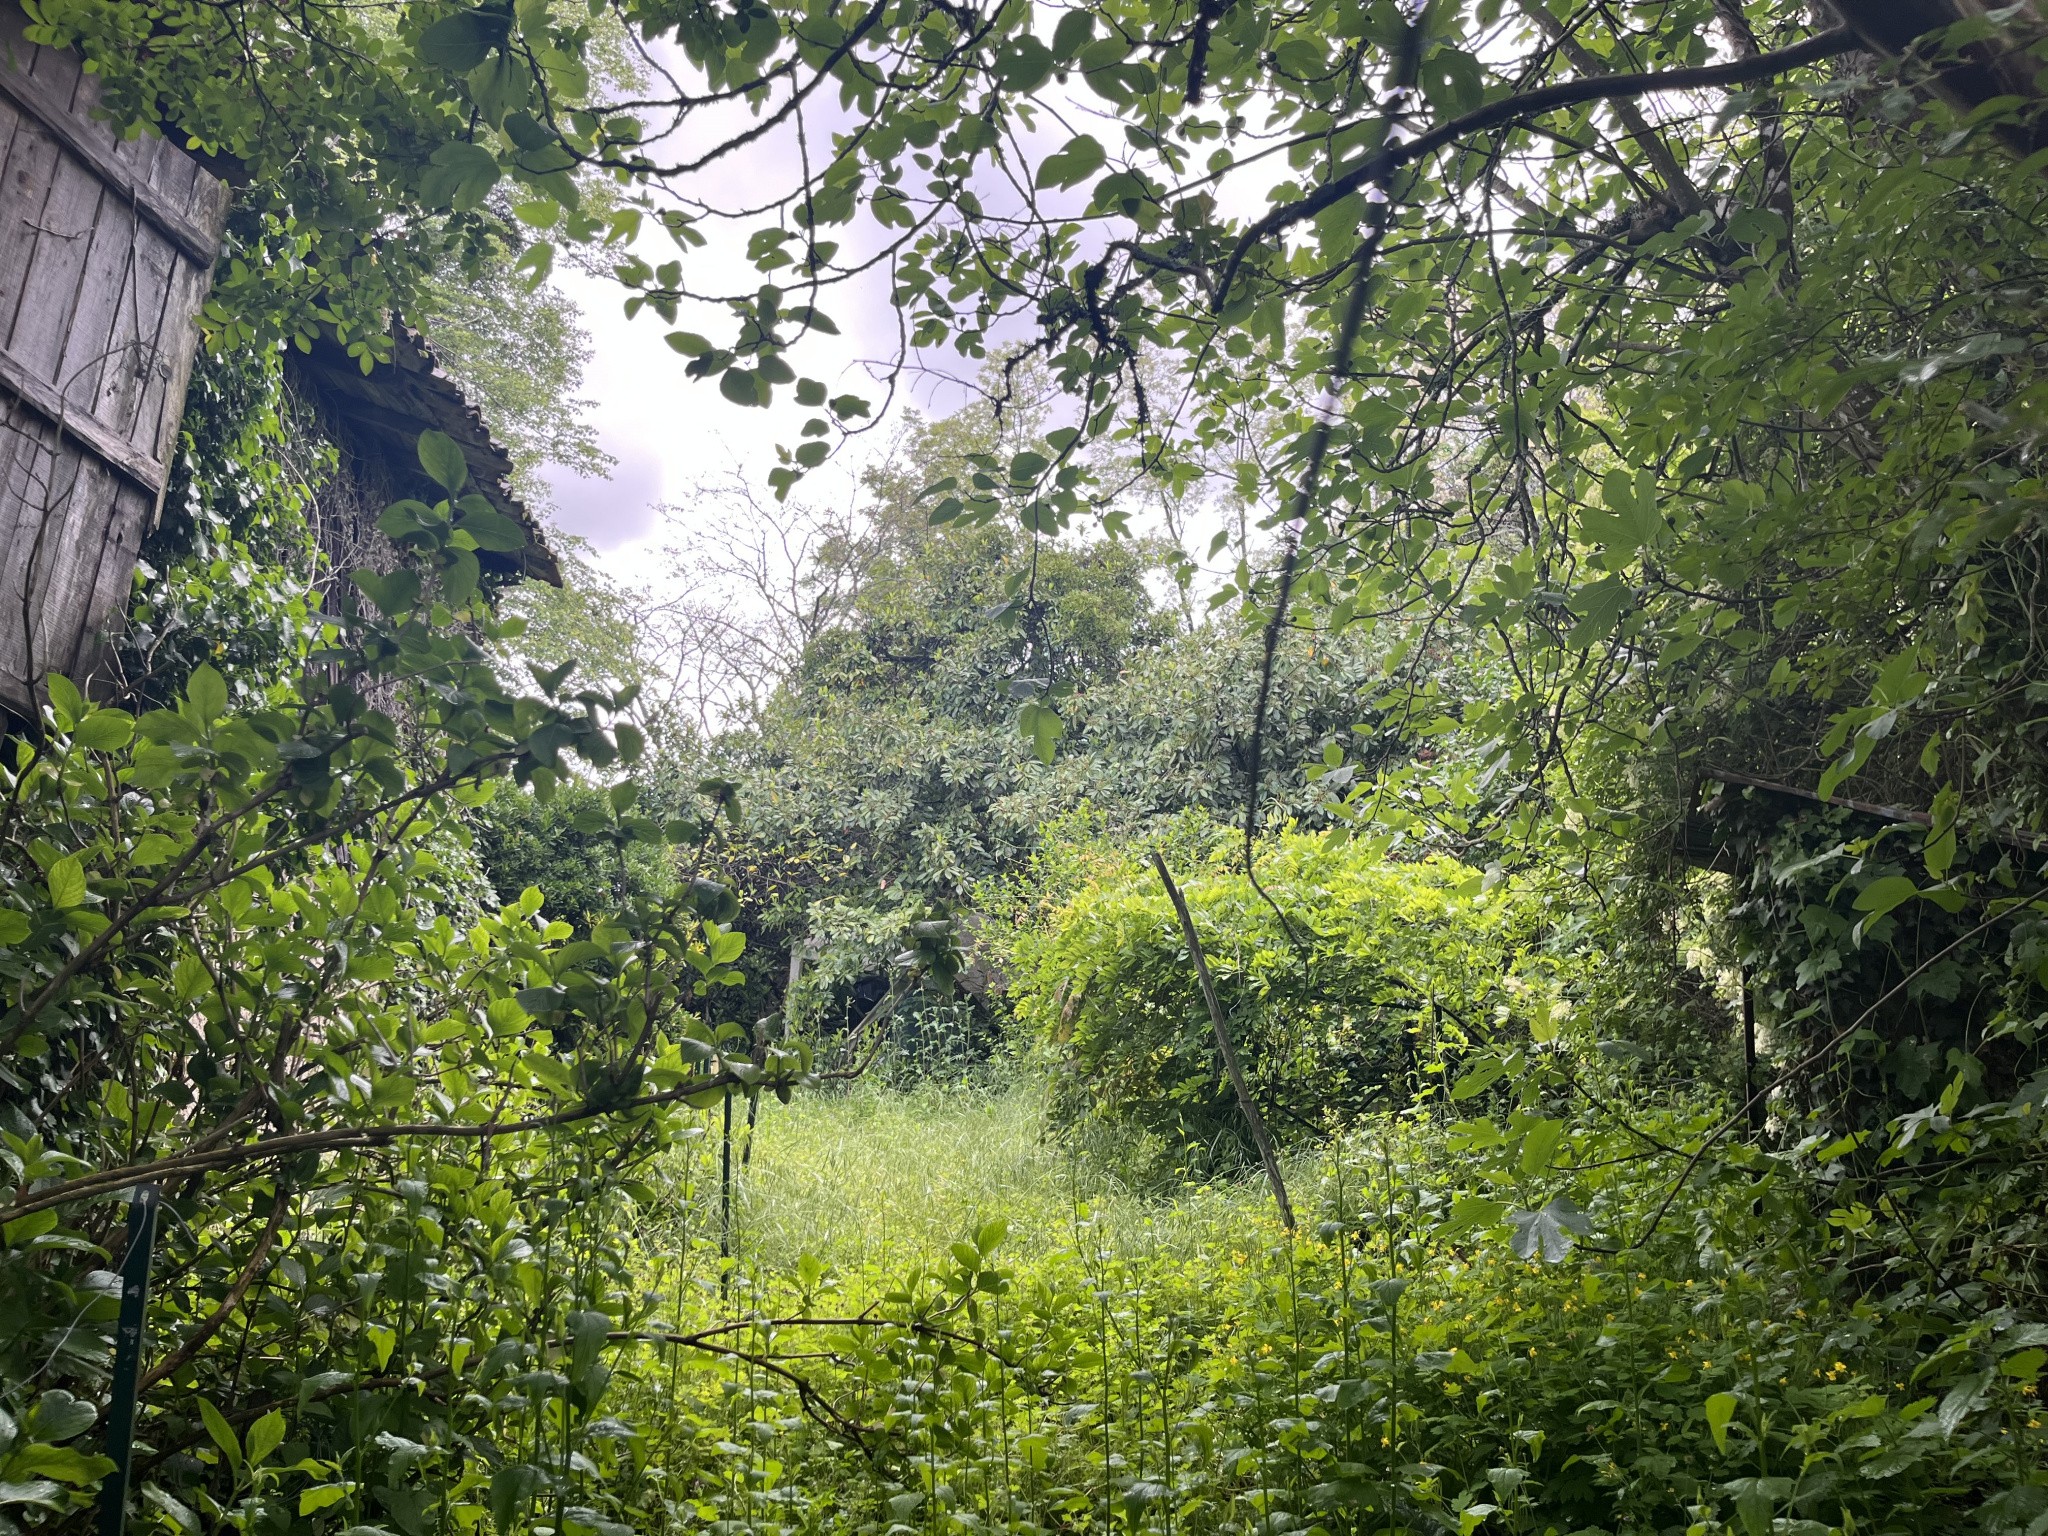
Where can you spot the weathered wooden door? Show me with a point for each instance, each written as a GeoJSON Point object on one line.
{"type": "Point", "coordinates": [106, 250]}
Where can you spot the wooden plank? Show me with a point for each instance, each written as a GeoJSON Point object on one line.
{"type": "Point", "coordinates": [32, 160]}
{"type": "Point", "coordinates": [94, 345]}
{"type": "Point", "coordinates": [68, 574]}
{"type": "Point", "coordinates": [28, 486]}
{"type": "Point", "coordinates": [10, 119]}
{"type": "Point", "coordinates": [106, 598]}
{"type": "Point", "coordinates": [20, 429]}
{"type": "Point", "coordinates": [154, 271]}
{"type": "Point", "coordinates": [33, 96]}
{"type": "Point", "coordinates": [56, 268]}
{"type": "Point", "coordinates": [46, 403]}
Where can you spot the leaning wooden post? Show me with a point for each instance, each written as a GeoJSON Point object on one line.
{"type": "Point", "coordinates": [1252, 1117]}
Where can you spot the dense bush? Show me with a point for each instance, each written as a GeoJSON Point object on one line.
{"type": "Point", "coordinates": [1349, 983]}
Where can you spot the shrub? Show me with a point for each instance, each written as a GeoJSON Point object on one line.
{"type": "Point", "coordinates": [1377, 975]}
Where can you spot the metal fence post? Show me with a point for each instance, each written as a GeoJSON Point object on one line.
{"type": "Point", "coordinates": [142, 1212]}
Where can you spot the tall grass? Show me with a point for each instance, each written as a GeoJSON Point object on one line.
{"type": "Point", "coordinates": [884, 1180]}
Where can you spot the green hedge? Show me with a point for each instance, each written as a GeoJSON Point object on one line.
{"type": "Point", "coordinates": [1381, 973]}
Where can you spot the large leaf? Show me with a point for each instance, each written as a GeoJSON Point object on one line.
{"type": "Point", "coordinates": [442, 458]}
{"type": "Point", "coordinates": [58, 1416]}
{"type": "Point", "coordinates": [460, 42]}
{"type": "Point", "coordinates": [1081, 157]}
{"type": "Point", "coordinates": [459, 176]}
{"type": "Point", "coordinates": [1547, 1233]}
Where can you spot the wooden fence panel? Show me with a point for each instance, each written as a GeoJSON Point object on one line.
{"type": "Point", "coordinates": [106, 252]}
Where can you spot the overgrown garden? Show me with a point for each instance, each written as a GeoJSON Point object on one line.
{"type": "Point", "coordinates": [1501, 992]}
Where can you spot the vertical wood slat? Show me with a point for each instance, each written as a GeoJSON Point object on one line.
{"type": "Point", "coordinates": [105, 258]}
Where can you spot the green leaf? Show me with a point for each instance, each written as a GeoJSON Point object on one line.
{"type": "Point", "coordinates": [14, 926]}
{"type": "Point", "coordinates": [265, 1436]}
{"type": "Point", "coordinates": [1754, 226]}
{"type": "Point", "coordinates": [1023, 64]}
{"type": "Point", "coordinates": [459, 578]}
{"type": "Point", "coordinates": [47, 1494]}
{"type": "Point", "coordinates": [742, 387]}
{"type": "Point", "coordinates": [66, 881]}
{"type": "Point", "coordinates": [1755, 1499]}
{"type": "Point", "coordinates": [1600, 607]}
{"type": "Point", "coordinates": [1042, 726]}
{"type": "Point", "coordinates": [207, 692]}
{"type": "Point", "coordinates": [1081, 157]}
{"type": "Point", "coordinates": [1539, 1145]}
{"type": "Point", "coordinates": [105, 730]}
{"type": "Point", "coordinates": [1885, 893]}
{"type": "Point", "coordinates": [459, 43]}
{"type": "Point", "coordinates": [65, 701]}
{"type": "Point", "coordinates": [58, 1416]}
{"type": "Point", "coordinates": [1479, 1077]}
{"type": "Point", "coordinates": [1720, 1410]}
{"type": "Point", "coordinates": [442, 459]}
{"type": "Point", "coordinates": [315, 1499]}
{"type": "Point", "coordinates": [1474, 1211]}
{"type": "Point", "coordinates": [511, 1487]}
{"type": "Point", "coordinates": [1072, 34]}
{"type": "Point", "coordinates": [65, 1463]}
{"type": "Point", "coordinates": [1546, 1233]}
{"type": "Point", "coordinates": [1939, 848]}
{"type": "Point", "coordinates": [459, 176]}
{"type": "Point", "coordinates": [221, 1432]}
{"type": "Point", "coordinates": [394, 592]}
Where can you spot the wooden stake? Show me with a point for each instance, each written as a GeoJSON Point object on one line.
{"type": "Point", "coordinates": [1252, 1118]}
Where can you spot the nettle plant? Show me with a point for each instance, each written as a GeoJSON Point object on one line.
{"type": "Point", "coordinates": [396, 1134]}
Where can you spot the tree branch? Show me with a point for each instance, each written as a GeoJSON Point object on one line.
{"type": "Point", "coordinates": [1509, 109]}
